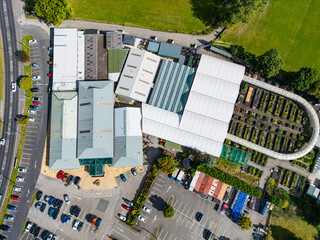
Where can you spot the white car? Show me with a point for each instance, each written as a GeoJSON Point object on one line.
{"type": "Point", "coordinates": [75, 224]}
{"type": "Point", "coordinates": [32, 41]}
{"type": "Point", "coordinates": [146, 209]}
{"type": "Point", "coordinates": [31, 119]}
{"type": "Point", "coordinates": [35, 77]}
{"type": "Point", "coordinates": [36, 99]}
{"type": "Point", "coordinates": [142, 218]}
{"type": "Point", "coordinates": [13, 87]}
{"type": "Point", "coordinates": [30, 224]}
{"type": "Point", "coordinates": [2, 141]}
{"type": "Point", "coordinates": [22, 169]}
{"type": "Point", "coordinates": [17, 189]}
{"type": "Point", "coordinates": [32, 111]}
{"type": "Point", "coordinates": [19, 179]}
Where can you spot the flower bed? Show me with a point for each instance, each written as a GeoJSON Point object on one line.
{"type": "Point", "coordinates": [254, 135]}
{"type": "Point", "coordinates": [279, 106]}
{"type": "Point", "coordinates": [302, 183]}
{"type": "Point", "coordinates": [246, 133]}
{"type": "Point", "coordinates": [300, 164]}
{"type": "Point", "coordinates": [277, 142]}
{"type": "Point", "coordinates": [263, 102]}
{"type": "Point", "coordinates": [244, 88]}
{"type": "Point", "coordinates": [294, 181]}
{"type": "Point", "coordinates": [239, 129]}
{"type": "Point", "coordinates": [299, 116]}
{"type": "Point", "coordinates": [269, 140]}
{"type": "Point", "coordinates": [293, 112]}
{"type": "Point", "coordinates": [286, 178]}
{"type": "Point", "coordinates": [286, 109]}
{"type": "Point", "coordinates": [272, 100]}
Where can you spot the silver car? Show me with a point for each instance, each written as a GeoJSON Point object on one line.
{"type": "Point", "coordinates": [19, 179]}
{"type": "Point", "coordinates": [17, 189]}
{"type": "Point", "coordinates": [142, 218]}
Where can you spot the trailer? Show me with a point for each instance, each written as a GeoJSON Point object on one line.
{"type": "Point", "coordinates": [180, 176]}
{"type": "Point", "coordinates": [174, 174]}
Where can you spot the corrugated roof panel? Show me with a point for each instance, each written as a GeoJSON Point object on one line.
{"type": "Point", "coordinates": [170, 50]}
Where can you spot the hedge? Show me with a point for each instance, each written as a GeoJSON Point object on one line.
{"type": "Point", "coordinates": [228, 179]}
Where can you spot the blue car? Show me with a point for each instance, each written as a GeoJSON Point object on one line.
{"type": "Point", "coordinates": [64, 218]}
{"type": "Point", "coordinates": [123, 178]}
{"type": "Point", "coordinates": [11, 207]}
{"type": "Point", "coordinates": [51, 211]}
{"type": "Point", "coordinates": [34, 107]}
{"type": "Point", "coordinates": [51, 200]}
{"type": "Point", "coordinates": [98, 222]}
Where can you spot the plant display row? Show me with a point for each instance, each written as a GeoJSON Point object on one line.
{"type": "Point", "coordinates": [255, 171]}
{"type": "Point", "coordinates": [259, 158]}
{"type": "Point", "coordinates": [230, 180]}
{"type": "Point", "coordinates": [300, 164]}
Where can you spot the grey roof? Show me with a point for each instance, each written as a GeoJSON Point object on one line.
{"type": "Point", "coordinates": [128, 39]}
{"type": "Point", "coordinates": [172, 86]}
{"type": "Point", "coordinates": [220, 51]}
{"type": "Point", "coordinates": [114, 40]}
{"type": "Point", "coordinates": [95, 119]}
{"type": "Point", "coordinates": [128, 151]}
{"type": "Point", "coordinates": [63, 132]}
{"type": "Point", "coordinates": [153, 47]}
{"type": "Point", "coordinates": [170, 50]}
{"type": "Point", "coordinates": [313, 191]}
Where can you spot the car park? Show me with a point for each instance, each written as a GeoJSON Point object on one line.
{"type": "Point", "coordinates": [60, 174]}
{"type": "Point", "coordinates": [32, 41]}
{"type": "Point", "coordinates": [98, 222]}
{"type": "Point", "coordinates": [34, 107]}
{"type": "Point", "coordinates": [36, 99]}
{"type": "Point", "coordinates": [128, 202]}
{"type": "Point", "coordinates": [8, 217]}
{"type": "Point", "coordinates": [35, 77]}
{"type": "Point", "coordinates": [17, 189]}
{"type": "Point", "coordinates": [15, 197]}
{"type": "Point", "coordinates": [121, 217]}
{"type": "Point", "coordinates": [68, 219]}
{"type": "Point", "coordinates": [2, 141]}
{"type": "Point", "coordinates": [35, 90]}
{"type": "Point", "coordinates": [36, 103]}
{"type": "Point", "coordinates": [34, 65]}
{"type": "Point", "coordinates": [76, 180]}
{"type": "Point", "coordinates": [70, 179]}
{"type": "Point", "coordinates": [134, 172]}
{"type": "Point", "coordinates": [19, 179]}
{"type": "Point", "coordinates": [142, 218]}
{"type": "Point", "coordinates": [146, 209]}
{"type": "Point", "coordinates": [66, 198]}
{"type": "Point", "coordinates": [12, 207]}
{"type": "Point", "coordinates": [28, 227]}
{"type": "Point", "coordinates": [126, 208]}
{"type": "Point", "coordinates": [123, 178]}
{"type": "Point", "coordinates": [199, 216]}
{"type": "Point", "coordinates": [75, 224]}
{"type": "Point", "coordinates": [22, 169]}
{"type": "Point", "coordinates": [13, 87]}
{"type": "Point", "coordinates": [39, 195]}
{"type": "Point", "coordinates": [80, 226]}
{"type": "Point", "coordinates": [65, 177]}
{"type": "Point", "coordinates": [32, 111]}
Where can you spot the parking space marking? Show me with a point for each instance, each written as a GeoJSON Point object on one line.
{"type": "Point", "coordinates": [170, 236]}
{"type": "Point", "coordinates": [120, 234]}
{"type": "Point", "coordinates": [189, 211]}
{"type": "Point", "coordinates": [165, 235]}
{"type": "Point", "coordinates": [179, 206]}
{"type": "Point", "coordinates": [224, 232]}
{"type": "Point", "coordinates": [174, 205]}
{"type": "Point", "coordinates": [160, 180]}
{"type": "Point", "coordinates": [219, 231]}
{"type": "Point", "coordinates": [158, 184]}
{"type": "Point", "coordinates": [156, 189]}
{"type": "Point", "coordinates": [193, 213]}
{"type": "Point", "coordinates": [206, 221]}
{"type": "Point", "coordinates": [160, 233]}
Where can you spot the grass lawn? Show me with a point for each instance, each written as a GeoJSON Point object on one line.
{"type": "Point", "coordinates": [292, 28]}
{"type": "Point", "coordinates": [165, 15]}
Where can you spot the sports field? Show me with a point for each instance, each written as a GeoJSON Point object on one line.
{"type": "Point", "coordinates": [165, 15]}
{"type": "Point", "coordinates": [290, 26]}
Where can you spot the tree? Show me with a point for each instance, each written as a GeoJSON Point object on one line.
{"type": "Point", "coordinates": [25, 83]}
{"type": "Point", "coordinates": [277, 201]}
{"type": "Point", "coordinates": [233, 11]}
{"type": "Point", "coordinates": [24, 119]}
{"type": "Point", "coordinates": [245, 222]}
{"type": "Point", "coordinates": [304, 79]}
{"type": "Point", "coordinates": [23, 56]}
{"type": "Point", "coordinates": [168, 211]}
{"type": "Point", "coordinates": [209, 160]}
{"type": "Point", "coordinates": [53, 10]}
{"type": "Point", "coordinates": [270, 63]}
{"type": "Point", "coordinates": [166, 164]}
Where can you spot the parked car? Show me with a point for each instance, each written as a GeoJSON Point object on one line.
{"type": "Point", "coordinates": [35, 77]}
{"type": "Point", "coordinates": [55, 213]}
{"type": "Point", "coordinates": [75, 224]}
{"type": "Point", "coordinates": [36, 99]}
{"type": "Point", "coordinates": [35, 90]}
{"type": "Point", "coordinates": [43, 207]}
{"type": "Point", "coordinates": [34, 65]}
{"type": "Point", "coordinates": [22, 169]}
{"type": "Point", "coordinates": [36, 231]}
{"type": "Point", "coordinates": [65, 177]}
{"type": "Point", "coordinates": [170, 41]}
{"type": "Point", "coordinates": [98, 222]}
{"type": "Point", "coordinates": [70, 179]}
{"type": "Point", "coordinates": [50, 211]}
{"type": "Point", "coordinates": [15, 197]}
{"type": "Point", "coordinates": [207, 234]}
{"type": "Point", "coordinates": [154, 38]}
{"type": "Point", "coordinates": [123, 178]}
{"type": "Point", "coordinates": [146, 209]}
{"type": "Point", "coordinates": [66, 198]}
{"type": "Point", "coordinates": [36, 103]}
{"type": "Point", "coordinates": [93, 220]}
{"type": "Point", "coordinates": [75, 210]}
{"type": "Point", "coordinates": [51, 200]}
{"type": "Point", "coordinates": [31, 119]}
{"type": "Point", "coordinates": [60, 174]}
{"type": "Point", "coordinates": [50, 236]}
{"type": "Point", "coordinates": [246, 212]}
{"type": "Point", "coordinates": [68, 219]}
{"type": "Point", "coordinates": [126, 208]}
{"type": "Point", "coordinates": [76, 180]}
{"type": "Point", "coordinates": [39, 195]}
{"type": "Point", "coordinates": [34, 107]}
{"type": "Point", "coordinates": [17, 189]}
{"type": "Point", "coordinates": [2, 141]}
{"type": "Point", "coordinates": [142, 218]}
{"type": "Point", "coordinates": [134, 172]}
{"type": "Point", "coordinates": [50, 48]}
{"type": "Point", "coordinates": [12, 207]}
{"type": "Point", "coordinates": [5, 227]}
{"type": "Point", "coordinates": [223, 208]}
{"type": "Point", "coordinates": [32, 41]}
{"type": "Point", "coordinates": [32, 111]}
{"type": "Point", "coordinates": [128, 202]}
{"type": "Point", "coordinates": [8, 217]}
{"type": "Point", "coordinates": [49, 74]}
{"type": "Point", "coordinates": [38, 205]}
{"type": "Point", "coordinates": [80, 226]}
{"type": "Point", "coordinates": [45, 234]}
{"type": "Point", "coordinates": [46, 198]}
{"type": "Point", "coordinates": [199, 216]}
{"type": "Point", "coordinates": [14, 87]}
{"type": "Point", "coordinates": [64, 218]}
{"type": "Point", "coordinates": [34, 226]}
{"type": "Point", "coordinates": [121, 217]}
{"type": "Point", "coordinates": [19, 179]}
{"type": "Point", "coordinates": [28, 227]}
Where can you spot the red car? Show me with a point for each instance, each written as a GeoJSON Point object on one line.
{"type": "Point", "coordinates": [15, 197]}
{"type": "Point", "coordinates": [60, 174]}
{"type": "Point", "coordinates": [93, 220]}
{"type": "Point", "coordinates": [126, 208]}
{"type": "Point", "coordinates": [49, 74]}
{"type": "Point", "coordinates": [36, 103]}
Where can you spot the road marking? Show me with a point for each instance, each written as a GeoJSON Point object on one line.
{"type": "Point", "coordinates": [78, 197]}
{"type": "Point", "coordinates": [175, 203]}
{"type": "Point", "coordinates": [155, 218]}
{"type": "Point", "coordinates": [119, 229]}
{"type": "Point", "coordinates": [160, 180]}
{"type": "Point", "coordinates": [219, 231]}
{"type": "Point", "coordinates": [156, 189]}
{"type": "Point", "coordinates": [165, 235]}
{"type": "Point", "coordinates": [170, 236]}
{"type": "Point", "coordinates": [224, 232]}
{"type": "Point", "coordinates": [160, 233]}
{"type": "Point", "coordinates": [60, 229]}
{"type": "Point", "coordinates": [121, 234]}
{"type": "Point", "coordinates": [158, 184]}
{"type": "Point", "coordinates": [206, 222]}
{"type": "Point", "coordinates": [179, 206]}
{"type": "Point", "coordinates": [168, 188]}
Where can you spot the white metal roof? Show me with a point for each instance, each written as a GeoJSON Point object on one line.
{"type": "Point", "coordinates": [127, 122]}
{"type": "Point", "coordinates": [68, 58]}
{"type": "Point", "coordinates": [209, 108]}
{"type": "Point", "coordinates": [138, 74]}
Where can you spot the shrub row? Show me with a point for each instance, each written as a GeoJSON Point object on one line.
{"type": "Point", "coordinates": [228, 179]}
{"type": "Point", "coordinates": [300, 164]}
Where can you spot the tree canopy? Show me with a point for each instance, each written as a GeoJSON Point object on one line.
{"type": "Point", "coordinates": [24, 119]}
{"type": "Point", "coordinates": [245, 222]}
{"type": "Point", "coordinates": [23, 56]}
{"type": "Point", "coordinates": [304, 79]}
{"type": "Point", "coordinates": [166, 164]}
{"type": "Point", "coordinates": [270, 63]}
{"type": "Point", "coordinates": [25, 83]}
{"type": "Point", "coordinates": [168, 211]}
{"type": "Point", "coordinates": [53, 10]}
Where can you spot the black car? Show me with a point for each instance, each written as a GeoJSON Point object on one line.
{"type": "Point", "coordinates": [35, 90]}
{"type": "Point", "coordinates": [39, 195]}
{"type": "Point", "coordinates": [45, 234]}
{"type": "Point", "coordinates": [70, 179]}
{"type": "Point", "coordinates": [80, 226]}
{"type": "Point", "coordinates": [34, 226]}
{"type": "Point", "coordinates": [207, 234]}
{"type": "Point", "coordinates": [43, 207]}
{"type": "Point", "coordinates": [55, 201]}
{"type": "Point", "coordinates": [59, 204]}
{"type": "Point", "coordinates": [36, 231]}
{"type": "Point", "coordinates": [55, 214]}
{"type": "Point", "coordinates": [75, 210]}
{"type": "Point", "coordinates": [199, 216]}
{"type": "Point", "coordinates": [76, 180]}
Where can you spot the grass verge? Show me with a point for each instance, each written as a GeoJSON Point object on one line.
{"type": "Point", "coordinates": [155, 235]}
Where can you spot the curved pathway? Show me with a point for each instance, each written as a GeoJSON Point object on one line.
{"type": "Point", "coordinates": [314, 121]}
